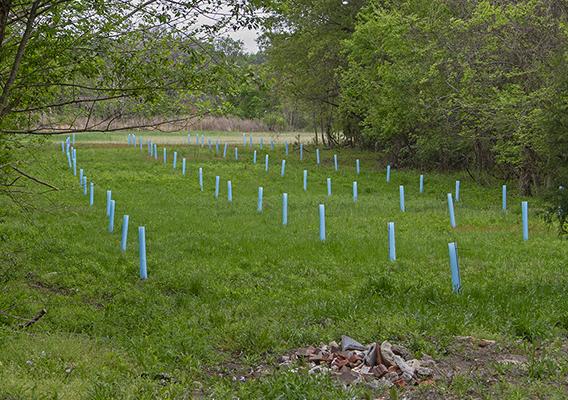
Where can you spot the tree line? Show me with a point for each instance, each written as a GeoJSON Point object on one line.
{"type": "Point", "coordinates": [435, 84]}
{"type": "Point", "coordinates": [478, 85]}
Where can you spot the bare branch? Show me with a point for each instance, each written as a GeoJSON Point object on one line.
{"type": "Point", "coordinates": [33, 178]}
{"type": "Point", "coordinates": [75, 101]}
{"type": "Point", "coordinates": [55, 131]}
{"type": "Point", "coordinates": [37, 317]}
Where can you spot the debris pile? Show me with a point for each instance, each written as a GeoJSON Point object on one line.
{"type": "Point", "coordinates": [377, 364]}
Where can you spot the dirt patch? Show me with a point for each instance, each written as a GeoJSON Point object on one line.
{"type": "Point", "coordinates": [479, 360]}
{"type": "Point", "coordinates": [35, 283]}
{"type": "Point", "coordinates": [485, 363]}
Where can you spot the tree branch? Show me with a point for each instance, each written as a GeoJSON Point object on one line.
{"type": "Point", "coordinates": [33, 178]}
{"type": "Point", "coordinates": [54, 131]}
{"type": "Point", "coordinates": [18, 58]}
{"type": "Point", "coordinates": [75, 101]}
{"type": "Point", "coordinates": [4, 11]}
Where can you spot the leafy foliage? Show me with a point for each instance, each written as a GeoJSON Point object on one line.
{"type": "Point", "coordinates": [302, 43]}
{"type": "Point", "coordinates": [68, 66]}
{"type": "Point", "coordinates": [557, 211]}
{"type": "Point", "coordinates": [454, 84]}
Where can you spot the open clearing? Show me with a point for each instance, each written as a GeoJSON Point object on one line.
{"type": "Point", "coordinates": [230, 289]}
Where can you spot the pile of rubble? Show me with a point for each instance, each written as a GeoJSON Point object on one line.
{"type": "Point", "coordinates": [377, 364]}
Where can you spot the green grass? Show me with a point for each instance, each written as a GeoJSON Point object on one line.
{"type": "Point", "coordinates": [180, 137]}
{"type": "Point", "coordinates": [231, 288]}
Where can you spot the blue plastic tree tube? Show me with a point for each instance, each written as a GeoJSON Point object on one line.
{"type": "Point", "coordinates": [454, 267]}
{"type": "Point", "coordinates": [92, 195]}
{"type": "Point", "coordinates": [525, 212]}
{"type": "Point", "coordinates": [183, 166]}
{"type": "Point", "coordinates": [457, 191]}
{"type": "Point", "coordinates": [451, 211]}
{"type": "Point", "coordinates": [285, 209]}
{"type": "Point", "coordinates": [250, 140]}
{"type": "Point", "coordinates": [261, 143]}
{"type": "Point", "coordinates": [392, 245]}
{"type": "Point", "coordinates": [111, 216]}
{"type": "Point", "coordinates": [388, 173]}
{"type": "Point", "coordinates": [504, 197]}
{"type": "Point", "coordinates": [357, 166]}
{"type": "Point", "coordinates": [217, 178]}
{"type": "Point", "coordinates": [175, 159]}
{"type": "Point", "coordinates": [266, 163]}
{"type": "Point", "coordinates": [322, 221]}
{"type": "Point", "coordinates": [401, 190]}
{"type": "Point", "coordinates": [201, 179]}
{"type": "Point", "coordinates": [301, 151]}
{"type": "Point", "coordinates": [355, 194]}
{"type": "Point", "coordinates": [305, 180]}
{"type": "Point", "coordinates": [189, 138]}
{"type": "Point", "coordinates": [421, 183]}
{"type": "Point", "coordinates": [237, 153]}
{"type": "Point", "coordinates": [271, 144]}
{"type": "Point", "coordinates": [165, 156]}
{"type": "Point", "coordinates": [259, 203]}
{"type": "Point", "coordinates": [329, 186]}
{"type": "Point", "coordinates": [286, 147]}
{"type": "Point", "coordinates": [229, 191]}
{"type": "Point", "coordinates": [254, 157]}
{"type": "Point", "coordinates": [283, 168]}
{"type": "Point", "coordinates": [142, 250]}
{"type": "Point", "coordinates": [81, 177]}
{"type": "Point", "coordinates": [124, 233]}
{"type": "Point", "coordinates": [109, 199]}
{"type": "Point", "coordinates": [202, 140]}
{"type": "Point", "coordinates": [335, 162]}
{"type": "Point", "coordinates": [318, 156]}
{"type": "Point", "coordinates": [225, 151]}
{"type": "Point", "coordinates": [75, 166]}
{"type": "Point", "coordinates": [85, 185]}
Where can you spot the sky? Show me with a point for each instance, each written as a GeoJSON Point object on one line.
{"type": "Point", "coordinates": [248, 37]}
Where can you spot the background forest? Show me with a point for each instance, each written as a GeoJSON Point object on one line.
{"type": "Point", "coordinates": [443, 84]}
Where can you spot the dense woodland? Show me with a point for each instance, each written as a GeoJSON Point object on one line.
{"type": "Point", "coordinates": [431, 84]}
{"type": "Point", "coordinates": [480, 85]}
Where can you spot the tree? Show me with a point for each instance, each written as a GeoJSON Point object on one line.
{"type": "Point", "coordinates": [454, 84]}
{"type": "Point", "coordinates": [83, 65]}
{"type": "Point", "coordinates": [303, 47]}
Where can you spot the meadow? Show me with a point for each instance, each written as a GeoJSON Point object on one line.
{"type": "Point", "coordinates": [230, 288]}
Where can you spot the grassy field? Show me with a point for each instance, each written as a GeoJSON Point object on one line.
{"type": "Point", "coordinates": [230, 288]}
{"type": "Point", "coordinates": [180, 138]}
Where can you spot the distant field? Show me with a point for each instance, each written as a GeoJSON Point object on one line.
{"type": "Point", "coordinates": [181, 137]}
{"type": "Point", "coordinates": [230, 288]}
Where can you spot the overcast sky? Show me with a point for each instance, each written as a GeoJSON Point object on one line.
{"type": "Point", "coordinates": [248, 37]}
